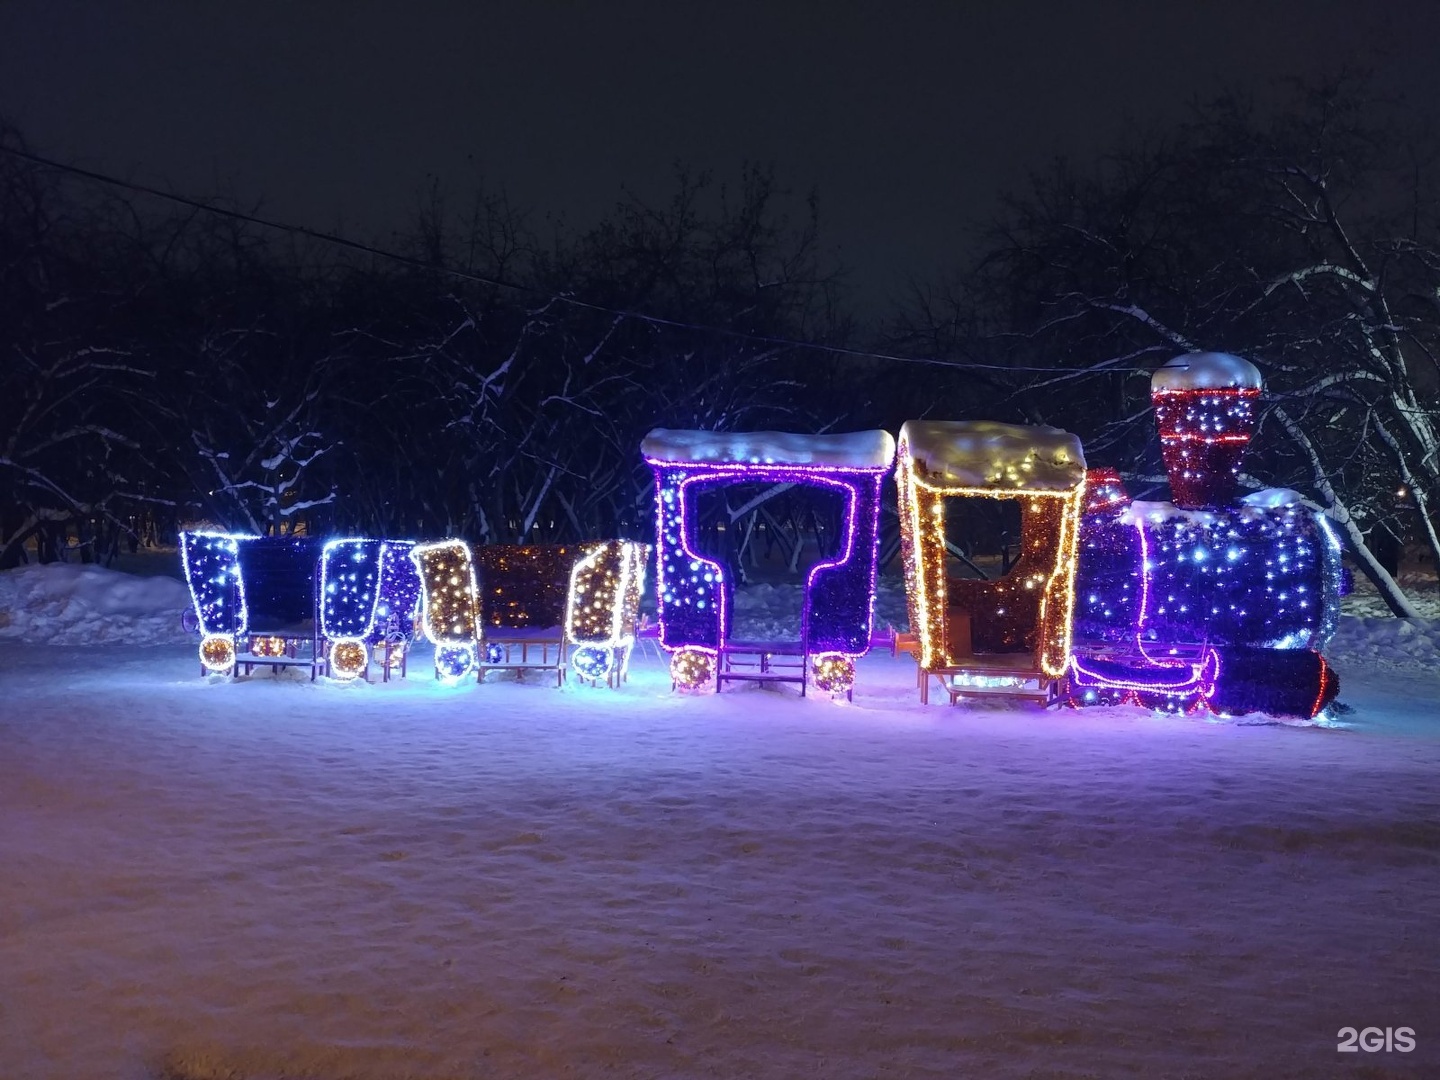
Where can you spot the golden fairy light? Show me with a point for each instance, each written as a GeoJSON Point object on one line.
{"type": "Point", "coordinates": [692, 668]}
{"type": "Point", "coordinates": [525, 585]}
{"type": "Point", "coordinates": [451, 613]}
{"type": "Point", "coordinates": [267, 646]}
{"type": "Point", "coordinates": [217, 652]}
{"type": "Point", "coordinates": [605, 589]}
{"type": "Point", "coordinates": [1031, 608]}
{"type": "Point", "coordinates": [834, 673]}
{"type": "Point", "coordinates": [348, 658]}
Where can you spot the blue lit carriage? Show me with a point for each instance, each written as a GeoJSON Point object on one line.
{"type": "Point", "coordinates": [696, 593]}
{"type": "Point", "coordinates": [300, 602]}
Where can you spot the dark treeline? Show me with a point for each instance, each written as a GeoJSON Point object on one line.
{"type": "Point", "coordinates": [168, 367]}
{"type": "Point", "coordinates": [161, 365]}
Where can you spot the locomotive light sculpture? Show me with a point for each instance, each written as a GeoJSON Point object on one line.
{"type": "Point", "coordinates": [1207, 601]}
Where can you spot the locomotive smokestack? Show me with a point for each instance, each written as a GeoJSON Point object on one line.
{"type": "Point", "coordinates": [1204, 404]}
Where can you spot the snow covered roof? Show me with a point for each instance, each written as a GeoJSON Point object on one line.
{"type": "Point", "coordinates": [1207, 371]}
{"type": "Point", "coordinates": [1003, 457]}
{"type": "Point", "coordinates": [852, 450]}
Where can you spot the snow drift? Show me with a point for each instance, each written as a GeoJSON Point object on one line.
{"type": "Point", "coordinates": [63, 604]}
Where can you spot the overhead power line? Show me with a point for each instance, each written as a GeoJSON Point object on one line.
{"type": "Point", "coordinates": [500, 283]}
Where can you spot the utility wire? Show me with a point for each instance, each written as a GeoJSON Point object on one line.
{"type": "Point", "coordinates": [499, 283]}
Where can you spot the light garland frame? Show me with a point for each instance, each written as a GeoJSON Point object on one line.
{"type": "Point", "coordinates": [1052, 516]}
{"type": "Point", "coordinates": [599, 584]}
{"type": "Point", "coordinates": [352, 583]}
{"type": "Point", "coordinates": [693, 592]}
{"type": "Point", "coordinates": [603, 608]}
{"type": "Point", "coordinates": [211, 564]}
{"type": "Point", "coordinates": [369, 593]}
{"type": "Point", "coordinates": [450, 605]}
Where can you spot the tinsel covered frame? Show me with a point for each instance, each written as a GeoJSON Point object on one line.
{"type": "Point", "coordinates": [1028, 609]}
{"type": "Point", "coordinates": [604, 595]}
{"type": "Point", "coordinates": [694, 592]}
{"type": "Point", "coordinates": [525, 586]}
{"type": "Point", "coordinates": [451, 601]}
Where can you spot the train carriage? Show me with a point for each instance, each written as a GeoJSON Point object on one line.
{"type": "Point", "coordinates": [697, 592]}
{"type": "Point", "coordinates": [532, 608]}
{"type": "Point", "coordinates": [1009, 636]}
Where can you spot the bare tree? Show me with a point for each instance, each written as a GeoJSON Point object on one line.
{"type": "Point", "coordinates": [77, 398]}
{"type": "Point", "coordinates": [1306, 241]}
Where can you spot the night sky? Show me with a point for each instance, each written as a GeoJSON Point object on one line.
{"type": "Point", "coordinates": [909, 118]}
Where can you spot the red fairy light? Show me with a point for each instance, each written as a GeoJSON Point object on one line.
{"type": "Point", "coordinates": [1104, 490]}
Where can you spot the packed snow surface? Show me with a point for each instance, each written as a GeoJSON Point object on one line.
{"type": "Point", "coordinates": [1003, 457]}
{"type": "Point", "coordinates": [1381, 642]}
{"type": "Point", "coordinates": [1207, 371]}
{"type": "Point", "coordinates": [852, 450]}
{"type": "Point", "coordinates": [270, 877]}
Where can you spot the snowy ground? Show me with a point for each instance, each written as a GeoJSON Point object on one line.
{"type": "Point", "coordinates": [207, 879]}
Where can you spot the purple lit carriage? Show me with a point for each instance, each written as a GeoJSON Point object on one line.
{"type": "Point", "coordinates": [696, 592]}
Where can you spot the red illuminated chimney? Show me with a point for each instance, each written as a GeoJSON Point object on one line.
{"type": "Point", "coordinates": [1205, 406]}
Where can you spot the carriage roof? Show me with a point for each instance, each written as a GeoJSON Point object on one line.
{"type": "Point", "coordinates": [990, 456]}
{"type": "Point", "coordinates": [856, 450]}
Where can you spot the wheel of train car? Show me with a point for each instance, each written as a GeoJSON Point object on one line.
{"type": "Point", "coordinates": [593, 662]}
{"type": "Point", "coordinates": [691, 669]}
{"type": "Point", "coordinates": [833, 673]}
{"type": "Point", "coordinates": [349, 658]}
{"type": "Point", "coordinates": [217, 653]}
{"type": "Point", "coordinates": [454, 662]}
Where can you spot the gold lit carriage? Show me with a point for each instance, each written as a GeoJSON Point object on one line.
{"type": "Point", "coordinates": [1009, 636]}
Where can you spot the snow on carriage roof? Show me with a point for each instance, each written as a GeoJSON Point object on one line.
{"type": "Point", "coordinates": [852, 450]}
{"type": "Point", "coordinates": [987, 454]}
{"type": "Point", "coordinates": [1207, 371]}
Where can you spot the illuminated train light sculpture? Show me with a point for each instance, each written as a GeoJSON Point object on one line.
{"type": "Point", "coordinates": [1009, 636]}
{"type": "Point", "coordinates": [483, 607]}
{"type": "Point", "coordinates": [295, 602]}
{"type": "Point", "coordinates": [695, 593]}
{"type": "Point", "coordinates": [1207, 601]}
